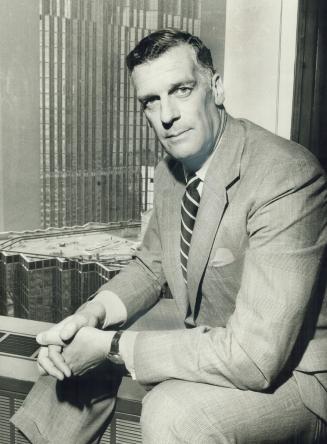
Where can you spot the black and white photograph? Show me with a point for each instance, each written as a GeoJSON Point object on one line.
{"type": "Point", "coordinates": [163, 222]}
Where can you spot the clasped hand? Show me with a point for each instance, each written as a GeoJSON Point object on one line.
{"type": "Point", "coordinates": [74, 345]}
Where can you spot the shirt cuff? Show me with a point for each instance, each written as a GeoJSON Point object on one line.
{"type": "Point", "coordinates": [126, 350]}
{"type": "Point", "coordinates": [115, 309]}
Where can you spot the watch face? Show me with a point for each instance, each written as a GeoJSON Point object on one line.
{"type": "Point", "coordinates": [113, 354]}
{"type": "Point", "coordinates": [115, 358]}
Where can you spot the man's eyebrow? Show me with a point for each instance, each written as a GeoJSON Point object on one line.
{"type": "Point", "coordinates": [143, 99]}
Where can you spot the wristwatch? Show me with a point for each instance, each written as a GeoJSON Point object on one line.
{"type": "Point", "coordinates": [113, 354]}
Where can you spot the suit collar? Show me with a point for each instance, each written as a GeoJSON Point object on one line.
{"type": "Point", "coordinates": [223, 173]}
{"type": "Point", "coordinates": [224, 168]}
{"type": "Point", "coordinates": [173, 191]}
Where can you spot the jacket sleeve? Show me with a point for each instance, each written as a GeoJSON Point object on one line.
{"type": "Point", "coordinates": [139, 284]}
{"type": "Point", "coordinates": [287, 233]}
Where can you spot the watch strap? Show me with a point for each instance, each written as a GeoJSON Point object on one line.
{"type": "Point", "coordinates": [114, 347]}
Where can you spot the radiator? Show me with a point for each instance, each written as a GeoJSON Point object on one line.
{"type": "Point", "coordinates": [18, 350]}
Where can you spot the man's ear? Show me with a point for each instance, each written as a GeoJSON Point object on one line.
{"type": "Point", "coordinates": [217, 89]}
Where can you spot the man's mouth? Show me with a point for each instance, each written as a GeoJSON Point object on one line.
{"type": "Point", "coordinates": [177, 134]}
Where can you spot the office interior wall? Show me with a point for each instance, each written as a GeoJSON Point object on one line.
{"type": "Point", "coordinates": [260, 50]}
{"type": "Point", "coordinates": [213, 29]}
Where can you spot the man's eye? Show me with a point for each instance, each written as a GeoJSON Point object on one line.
{"type": "Point", "coordinates": [183, 91]}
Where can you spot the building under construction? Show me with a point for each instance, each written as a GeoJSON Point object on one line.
{"type": "Point", "coordinates": [46, 275]}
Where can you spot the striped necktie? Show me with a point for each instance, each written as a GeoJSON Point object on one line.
{"type": "Point", "coordinates": [189, 209]}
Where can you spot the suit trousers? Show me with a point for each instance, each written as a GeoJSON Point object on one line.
{"type": "Point", "coordinates": [78, 410]}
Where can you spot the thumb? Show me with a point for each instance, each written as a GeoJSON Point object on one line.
{"type": "Point", "coordinates": [50, 337]}
{"type": "Point", "coordinates": [71, 328]}
{"type": "Point", "coordinates": [68, 332]}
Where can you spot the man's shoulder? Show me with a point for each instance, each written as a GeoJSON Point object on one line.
{"type": "Point", "coordinates": [272, 165]}
{"type": "Point", "coordinates": [264, 148]}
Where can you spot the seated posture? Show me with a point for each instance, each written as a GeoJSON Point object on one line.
{"type": "Point", "coordinates": [238, 231]}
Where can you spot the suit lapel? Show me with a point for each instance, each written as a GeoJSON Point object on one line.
{"type": "Point", "coordinates": [207, 222]}
{"type": "Point", "coordinates": [223, 172]}
{"type": "Point", "coordinates": [171, 239]}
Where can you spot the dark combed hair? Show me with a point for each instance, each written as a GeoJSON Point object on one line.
{"type": "Point", "coordinates": [154, 45]}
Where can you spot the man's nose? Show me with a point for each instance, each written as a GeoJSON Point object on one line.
{"type": "Point", "coordinates": [169, 112]}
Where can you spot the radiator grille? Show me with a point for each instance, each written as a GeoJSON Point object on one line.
{"type": "Point", "coordinates": [106, 437]}
{"type": "Point", "coordinates": [4, 420]}
{"type": "Point", "coordinates": [128, 432]}
{"type": "Point", "coordinates": [18, 403]}
{"type": "Point", "coordinates": [9, 435]}
{"type": "Point", "coordinates": [19, 345]}
{"type": "Point", "coordinates": [19, 438]}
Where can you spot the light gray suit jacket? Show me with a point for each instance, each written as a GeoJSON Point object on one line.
{"type": "Point", "coordinates": [255, 293]}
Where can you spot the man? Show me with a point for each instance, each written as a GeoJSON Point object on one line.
{"type": "Point", "coordinates": [238, 231]}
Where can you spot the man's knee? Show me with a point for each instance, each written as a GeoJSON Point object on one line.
{"type": "Point", "coordinates": [167, 418]}
{"type": "Point", "coordinates": [184, 412]}
{"type": "Point", "coordinates": [154, 417]}
{"type": "Point", "coordinates": [159, 413]}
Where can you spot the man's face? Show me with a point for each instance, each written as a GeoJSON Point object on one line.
{"type": "Point", "coordinates": [180, 99]}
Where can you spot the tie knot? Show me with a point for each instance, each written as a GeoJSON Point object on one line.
{"type": "Point", "coordinates": [192, 181]}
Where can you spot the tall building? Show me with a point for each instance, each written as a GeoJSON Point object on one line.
{"type": "Point", "coordinates": [97, 152]}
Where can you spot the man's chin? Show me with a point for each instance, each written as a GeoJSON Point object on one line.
{"type": "Point", "coordinates": [180, 153]}
{"type": "Point", "coordinates": [183, 154]}
{"type": "Point", "coordinates": [192, 162]}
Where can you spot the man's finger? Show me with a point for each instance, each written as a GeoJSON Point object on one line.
{"type": "Point", "coordinates": [43, 353]}
{"type": "Point", "coordinates": [51, 370]}
{"type": "Point", "coordinates": [55, 355]}
{"type": "Point", "coordinates": [46, 366]}
{"type": "Point", "coordinates": [41, 370]}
